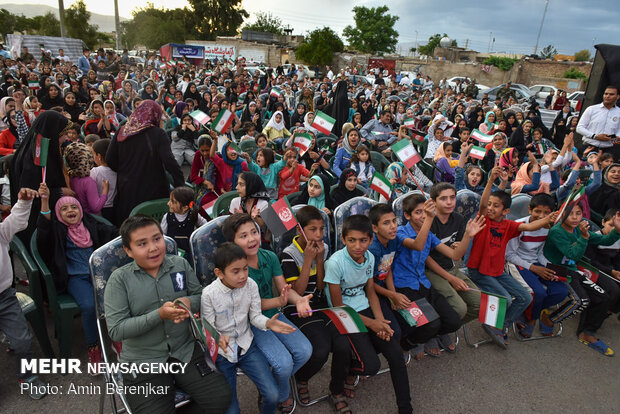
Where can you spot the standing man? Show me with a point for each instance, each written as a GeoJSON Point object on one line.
{"type": "Point", "coordinates": [600, 124]}
{"type": "Point", "coordinates": [84, 61]}
{"type": "Point", "coordinates": [61, 56]}
{"type": "Point", "coordinates": [549, 100]}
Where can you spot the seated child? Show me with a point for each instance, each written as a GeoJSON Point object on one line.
{"type": "Point", "coordinates": [228, 165]}
{"type": "Point", "coordinates": [182, 219]}
{"type": "Point", "coordinates": [487, 258]}
{"type": "Point", "coordinates": [566, 245]}
{"type": "Point", "coordinates": [275, 129]}
{"type": "Point", "coordinates": [316, 194]}
{"type": "Point", "coordinates": [362, 164]}
{"type": "Point", "coordinates": [349, 281]}
{"type": "Point", "coordinates": [90, 139]}
{"type": "Point", "coordinates": [291, 174]}
{"type": "Point", "coordinates": [267, 169]}
{"type": "Point", "coordinates": [79, 162]}
{"type": "Point", "coordinates": [66, 242]}
{"type": "Point", "coordinates": [253, 197]}
{"type": "Point", "coordinates": [445, 163]}
{"type": "Point", "coordinates": [5, 187]}
{"type": "Point", "coordinates": [184, 139]}
{"type": "Point", "coordinates": [347, 187]}
{"type": "Point", "coordinates": [140, 311]}
{"type": "Point", "coordinates": [250, 130]}
{"type": "Point", "coordinates": [342, 159]}
{"type": "Point", "coordinates": [607, 258]}
{"type": "Point", "coordinates": [203, 173]}
{"type": "Point", "coordinates": [103, 173]}
{"type": "Point", "coordinates": [528, 179]}
{"type": "Point", "coordinates": [230, 304]}
{"type": "Point", "coordinates": [285, 353]}
{"type": "Point", "coordinates": [261, 142]}
{"type": "Point", "coordinates": [468, 177]}
{"type": "Point", "coordinates": [12, 320]}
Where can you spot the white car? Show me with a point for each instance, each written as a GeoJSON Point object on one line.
{"type": "Point", "coordinates": [542, 91]}
{"type": "Point", "coordinates": [302, 71]}
{"type": "Point", "coordinates": [466, 81]}
{"type": "Point", "coordinates": [574, 98]}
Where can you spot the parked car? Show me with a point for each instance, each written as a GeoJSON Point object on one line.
{"type": "Point", "coordinates": [542, 91]}
{"type": "Point", "coordinates": [302, 71]}
{"type": "Point", "coordinates": [520, 94]}
{"type": "Point", "coordinates": [574, 98]}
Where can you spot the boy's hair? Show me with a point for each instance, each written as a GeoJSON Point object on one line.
{"type": "Point", "coordinates": [605, 156]}
{"type": "Point", "coordinates": [227, 253]}
{"type": "Point", "coordinates": [185, 196]}
{"type": "Point", "coordinates": [100, 147]}
{"type": "Point", "coordinates": [437, 189]}
{"type": "Point", "coordinates": [232, 224]}
{"type": "Point", "coordinates": [377, 211]}
{"type": "Point", "coordinates": [542, 199]}
{"type": "Point", "coordinates": [539, 130]}
{"type": "Point", "coordinates": [504, 198]}
{"type": "Point", "coordinates": [306, 214]}
{"type": "Point", "coordinates": [134, 223]}
{"type": "Point", "coordinates": [609, 215]}
{"type": "Point", "coordinates": [268, 154]}
{"type": "Point", "coordinates": [357, 222]}
{"type": "Point", "coordinates": [261, 135]}
{"type": "Point", "coordinates": [91, 138]}
{"type": "Point", "coordinates": [464, 129]}
{"type": "Point", "coordinates": [204, 140]}
{"type": "Point", "coordinates": [248, 125]}
{"type": "Point", "coordinates": [411, 202]}
{"type": "Point", "coordinates": [360, 148]}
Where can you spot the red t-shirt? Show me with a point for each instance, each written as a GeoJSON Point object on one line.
{"type": "Point", "coordinates": [488, 252]}
{"type": "Point", "coordinates": [289, 182]}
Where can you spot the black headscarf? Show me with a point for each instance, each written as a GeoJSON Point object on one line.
{"type": "Point", "coordinates": [340, 193]}
{"type": "Point", "coordinates": [11, 127]}
{"type": "Point", "coordinates": [339, 109]}
{"type": "Point", "coordinates": [299, 118]}
{"type": "Point", "coordinates": [74, 110]}
{"type": "Point", "coordinates": [254, 188]}
{"type": "Point", "coordinates": [194, 95]}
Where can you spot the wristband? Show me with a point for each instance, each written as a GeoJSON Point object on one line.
{"type": "Point", "coordinates": [46, 212]}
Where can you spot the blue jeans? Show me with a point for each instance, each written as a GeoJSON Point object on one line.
{"type": "Point", "coordinates": [81, 288]}
{"type": "Point", "coordinates": [255, 366]}
{"type": "Point", "coordinates": [546, 292]}
{"type": "Point", "coordinates": [285, 353]}
{"type": "Point", "coordinates": [506, 286]}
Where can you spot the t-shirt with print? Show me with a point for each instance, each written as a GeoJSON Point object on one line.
{"type": "Point", "coordinates": [384, 257]}
{"type": "Point", "coordinates": [408, 266]}
{"type": "Point", "coordinates": [450, 232]}
{"type": "Point", "coordinates": [268, 267]}
{"type": "Point", "coordinates": [352, 277]}
{"type": "Point", "coordinates": [488, 253]}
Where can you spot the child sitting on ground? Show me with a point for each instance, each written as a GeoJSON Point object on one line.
{"type": "Point", "coordinates": [230, 304]}
{"type": "Point", "coordinates": [103, 173]}
{"type": "Point", "coordinates": [291, 174]}
{"type": "Point", "coordinates": [80, 162]}
{"type": "Point", "coordinates": [361, 162]}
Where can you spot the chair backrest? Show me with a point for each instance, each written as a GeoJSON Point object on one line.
{"type": "Point", "coordinates": [222, 204]}
{"type": "Point", "coordinates": [154, 208]}
{"type": "Point", "coordinates": [45, 271]}
{"type": "Point", "coordinates": [427, 169]}
{"type": "Point", "coordinates": [519, 207]}
{"type": "Point", "coordinates": [280, 243]}
{"type": "Point", "coordinates": [291, 197]}
{"type": "Point", "coordinates": [467, 203]}
{"type": "Point", "coordinates": [106, 260]}
{"type": "Point", "coordinates": [203, 242]}
{"type": "Point", "coordinates": [30, 266]}
{"type": "Point", "coordinates": [379, 161]}
{"type": "Point", "coordinates": [356, 205]}
{"type": "Point", "coordinates": [248, 146]}
{"type": "Point", "coordinates": [397, 206]}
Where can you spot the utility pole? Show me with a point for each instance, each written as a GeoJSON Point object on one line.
{"type": "Point", "coordinates": [489, 47]}
{"type": "Point", "coordinates": [117, 23]}
{"type": "Point", "coordinates": [541, 26]}
{"type": "Point", "coordinates": [416, 43]}
{"type": "Point", "coordinates": [61, 15]}
{"type": "Point", "coordinates": [466, 43]}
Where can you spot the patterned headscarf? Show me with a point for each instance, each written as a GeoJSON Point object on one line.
{"type": "Point", "coordinates": [78, 233]}
{"type": "Point", "coordinates": [79, 160]}
{"type": "Point", "coordinates": [505, 160]}
{"type": "Point", "coordinates": [147, 115]}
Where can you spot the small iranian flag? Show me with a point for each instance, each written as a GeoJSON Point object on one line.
{"type": "Point", "coordinates": [275, 92]}
{"type": "Point", "coordinates": [345, 319]}
{"type": "Point", "coordinates": [406, 153]}
{"type": "Point", "coordinates": [477, 135]}
{"type": "Point", "coordinates": [477, 152]}
{"type": "Point", "coordinates": [223, 121]}
{"type": "Point", "coordinates": [200, 116]}
{"type": "Point", "coordinates": [541, 148]}
{"type": "Point", "coordinates": [33, 84]}
{"type": "Point", "coordinates": [42, 49]}
{"type": "Point", "coordinates": [381, 185]}
{"type": "Point", "coordinates": [323, 122]}
{"type": "Point", "coordinates": [169, 100]}
{"type": "Point", "coordinates": [208, 208]}
{"type": "Point", "coordinates": [279, 217]}
{"type": "Point", "coordinates": [41, 149]}
{"type": "Point", "coordinates": [409, 123]}
{"type": "Point", "coordinates": [303, 142]}
{"type": "Point", "coordinates": [419, 313]}
{"type": "Point", "coordinates": [492, 310]}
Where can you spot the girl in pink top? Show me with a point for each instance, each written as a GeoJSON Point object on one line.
{"type": "Point", "coordinates": [80, 161]}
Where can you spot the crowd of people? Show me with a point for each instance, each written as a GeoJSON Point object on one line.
{"type": "Point", "coordinates": [121, 134]}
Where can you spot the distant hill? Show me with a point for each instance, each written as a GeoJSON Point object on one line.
{"type": "Point", "coordinates": [105, 23]}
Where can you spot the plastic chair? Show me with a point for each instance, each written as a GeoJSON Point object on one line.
{"type": "Point", "coordinates": [397, 206]}
{"type": "Point", "coordinates": [519, 207]}
{"type": "Point", "coordinates": [467, 203]}
{"type": "Point", "coordinates": [356, 205]}
{"type": "Point", "coordinates": [32, 304]}
{"type": "Point", "coordinates": [379, 161]}
{"type": "Point", "coordinates": [427, 169]}
{"type": "Point", "coordinates": [102, 263]}
{"type": "Point", "coordinates": [203, 242]}
{"type": "Point", "coordinates": [291, 197]}
{"type": "Point", "coordinates": [154, 208]}
{"type": "Point", "coordinates": [278, 244]}
{"type": "Point", "coordinates": [248, 146]}
{"type": "Point", "coordinates": [222, 204]}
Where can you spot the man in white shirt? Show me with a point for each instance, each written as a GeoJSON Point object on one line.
{"type": "Point", "coordinates": [600, 124]}
{"type": "Point", "coordinates": [61, 56]}
{"type": "Point", "coordinates": [330, 74]}
{"type": "Point", "coordinates": [405, 81]}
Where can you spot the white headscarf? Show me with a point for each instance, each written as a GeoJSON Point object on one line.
{"type": "Point", "coordinates": [307, 125]}
{"type": "Point", "coordinates": [278, 126]}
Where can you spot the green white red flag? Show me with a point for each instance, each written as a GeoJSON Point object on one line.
{"type": "Point", "coordinates": [33, 84]}
{"type": "Point", "coordinates": [275, 92]}
{"type": "Point", "coordinates": [481, 137]}
{"type": "Point", "coordinates": [303, 142]}
{"type": "Point", "coordinates": [345, 319]}
{"type": "Point", "coordinates": [409, 122]}
{"type": "Point", "coordinates": [406, 153]}
{"type": "Point", "coordinates": [381, 185]}
{"type": "Point", "coordinates": [208, 208]}
{"type": "Point", "coordinates": [223, 121]}
{"type": "Point", "coordinates": [279, 217]}
{"type": "Point", "coordinates": [200, 116]}
{"type": "Point", "coordinates": [419, 313]}
{"type": "Point", "coordinates": [477, 152]}
{"type": "Point", "coordinates": [492, 310]}
{"type": "Point", "coordinates": [541, 148]}
{"type": "Point", "coordinates": [323, 122]}
{"type": "Point", "coordinates": [574, 196]}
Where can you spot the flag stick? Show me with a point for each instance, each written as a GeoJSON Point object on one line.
{"type": "Point", "coordinates": [302, 232]}
{"type": "Point", "coordinates": [416, 183]}
{"type": "Point", "coordinates": [44, 173]}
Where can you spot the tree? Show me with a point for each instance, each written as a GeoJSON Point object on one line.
{"type": "Point", "coordinates": [548, 52]}
{"type": "Point", "coordinates": [8, 21]}
{"type": "Point", "coordinates": [433, 42]}
{"type": "Point", "coordinates": [212, 18]}
{"type": "Point", "coordinates": [582, 56]}
{"type": "Point", "coordinates": [47, 25]}
{"type": "Point", "coordinates": [319, 47]}
{"type": "Point", "coordinates": [266, 22]}
{"type": "Point", "coordinates": [153, 27]}
{"type": "Point", "coordinates": [76, 23]}
{"type": "Point", "coordinates": [374, 30]}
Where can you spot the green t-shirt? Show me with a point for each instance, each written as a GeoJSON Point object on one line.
{"type": "Point", "coordinates": [268, 267]}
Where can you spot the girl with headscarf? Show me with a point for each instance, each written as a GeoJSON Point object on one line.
{"type": "Point", "coordinates": [560, 126]}
{"type": "Point", "coordinates": [96, 121]}
{"type": "Point", "coordinates": [276, 130]}
{"type": "Point", "coordinates": [149, 93]}
{"type": "Point", "coordinates": [528, 180]}
{"type": "Point", "coordinates": [297, 119]}
{"type": "Point", "coordinates": [489, 123]}
{"type": "Point", "coordinates": [342, 159]}
{"type": "Point", "coordinates": [140, 154]}
{"type": "Point", "coordinates": [251, 114]}
{"type": "Point", "coordinates": [305, 97]}
{"type": "Point", "coordinates": [5, 104]}
{"type": "Point", "coordinates": [205, 102]}
{"type": "Point", "coordinates": [71, 107]}
{"type": "Point", "coordinates": [396, 174]}
{"type": "Point", "coordinates": [316, 193]}
{"type": "Point", "coordinates": [522, 137]}
{"type": "Point", "coordinates": [192, 92]}
{"type": "Point", "coordinates": [608, 194]}
{"type": "Point", "coordinates": [126, 98]}
{"type": "Point", "coordinates": [253, 197]}
{"type": "Point", "coordinates": [445, 163]}
{"type": "Point", "coordinates": [8, 137]}
{"type": "Point", "coordinates": [80, 161]}
{"type": "Point", "coordinates": [228, 166]}
{"type": "Point", "coordinates": [308, 119]}
{"type": "Point", "coordinates": [347, 187]}
{"type": "Point", "coordinates": [32, 107]}
{"type": "Point", "coordinates": [66, 238]}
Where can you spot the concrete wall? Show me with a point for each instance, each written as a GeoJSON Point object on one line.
{"type": "Point", "coordinates": [271, 53]}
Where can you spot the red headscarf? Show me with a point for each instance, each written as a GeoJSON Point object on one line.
{"type": "Point", "coordinates": [147, 115]}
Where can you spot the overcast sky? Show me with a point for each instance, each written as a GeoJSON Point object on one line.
{"type": "Point", "coordinates": [570, 25]}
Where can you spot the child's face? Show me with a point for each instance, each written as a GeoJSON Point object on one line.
{"type": "Point", "coordinates": [109, 108]}
{"type": "Point", "coordinates": [231, 153]}
{"type": "Point", "coordinates": [539, 212]}
{"type": "Point", "coordinates": [186, 121]}
{"type": "Point", "coordinates": [416, 217]}
{"type": "Point", "coordinates": [278, 118]}
{"type": "Point", "coordinates": [606, 163]}
{"type": "Point", "coordinates": [537, 136]}
{"type": "Point", "coordinates": [351, 183]}
{"type": "Point", "coordinates": [613, 175]}
{"type": "Point", "coordinates": [575, 217]}
{"type": "Point", "coordinates": [608, 226]}
{"type": "Point", "coordinates": [241, 187]}
{"type": "Point", "coordinates": [495, 209]}
{"type": "Point", "coordinates": [464, 136]}
{"type": "Point", "coordinates": [446, 201]}
{"type": "Point", "coordinates": [72, 135]}
{"type": "Point", "coordinates": [248, 238]}
{"type": "Point", "coordinates": [147, 247]}
{"type": "Point", "coordinates": [498, 142]}
{"type": "Point", "coordinates": [235, 275]}
{"type": "Point", "coordinates": [251, 131]}
{"type": "Point", "coordinates": [448, 150]}
{"type": "Point", "coordinates": [354, 138]}
{"type": "Point", "coordinates": [70, 214]}
{"type": "Point", "coordinates": [438, 134]}
{"type": "Point", "coordinates": [262, 142]}
{"type": "Point", "coordinates": [363, 156]}
{"type": "Point", "coordinates": [175, 206]}
{"type": "Point", "coordinates": [205, 150]}
{"type": "Point", "coordinates": [474, 177]}
{"type": "Point", "coordinates": [357, 243]}
{"type": "Point", "coordinates": [314, 189]}
{"type": "Point", "coordinates": [260, 159]}
{"type": "Point", "coordinates": [386, 227]}
{"type": "Point", "coordinates": [314, 230]}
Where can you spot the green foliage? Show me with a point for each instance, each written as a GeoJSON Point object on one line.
{"type": "Point", "coordinates": [266, 22]}
{"type": "Point", "coordinates": [77, 26]}
{"type": "Point", "coordinates": [504, 63]}
{"type": "Point", "coordinates": [154, 27]}
{"type": "Point", "coordinates": [433, 42]}
{"type": "Point", "coordinates": [573, 73]}
{"type": "Point", "coordinates": [548, 52]}
{"type": "Point", "coordinates": [374, 30]}
{"type": "Point", "coordinates": [582, 56]}
{"type": "Point", "coordinates": [212, 18]}
{"type": "Point", "coordinates": [319, 47]}
{"type": "Point", "coordinates": [45, 25]}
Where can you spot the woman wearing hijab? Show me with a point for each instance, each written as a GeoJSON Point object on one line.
{"type": "Point", "coordinates": [347, 187]}
{"type": "Point", "coordinates": [276, 130]}
{"type": "Point", "coordinates": [305, 97]}
{"type": "Point", "coordinates": [607, 196]}
{"type": "Point", "coordinates": [71, 107]}
{"type": "Point", "coordinates": [522, 137]}
{"type": "Point", "coordinates": [489, 123]}
{"type": "Point", "coordinates": [316, 193]}
{"type": "Point", "coordinates": [253, 197]}
{"type": "Point", "coordinates": [297, 119]}
{"type": "Point", "coordinates": [204, 104]}
{"type": "Point", "coordinates": [498, 145]}
{"type": "Point", "coordinates": [25, 174]}
{"type": "Point", "coordinates": [149, 93]}
{"type": "Point", "coordinates": [140, 154]}
{"type": "Point", "coordinates": [342, 159]}
{"type": "Point", "coordinates": [8, 137]}
{"type": "Point", "coordinates": [339, 108]}
{"type": "Point", "coordinates": [7, 103]}
{"type": "Point", "coordinates": [44, 82]}
{"type": "Point", "coordinates": [251, 114]}
{"type": "Point", "coordinates": [192, 92]}
{"type": "Point", "coordinates": [52, 98]}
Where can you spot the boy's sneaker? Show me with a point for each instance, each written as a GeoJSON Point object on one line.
{"type": "Point", "coordinates": [37, 389]}
{"type": "Point", "coordinates": [95, 356]}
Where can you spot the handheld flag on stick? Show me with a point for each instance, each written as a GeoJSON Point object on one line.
{"type": "Point", "coordinates": [418, 136]}
{"type": "Point", "coordinates": [492, 310]}
{"type": "Point", "coordinates": [574, 196]}
{"type": "Point", "coordinates": [323, 123]}
{"type": "Point", "coordinates": [409, 123]}
{"type": "Point", "coordinates": [541, 148]}
{"type": "Point", "coordinates": [419, 313]}
{"type": "Point", "coordinates": [381, 185]}
{"type": "Point", "coordinates": [200, 116]}
{"type": "Point", "coordinates": [303, 142]}
{"type": "Point", "coordinates": [206, 334]}
{"type": "Point", "coordinates": [279, 217]}
{"type": "Point", "coordinates": [40, 153]}
{"type": "Point", "coordinates": [169, 100]}
{"type": "Point", "coordinates": [345, 319]}
{"type": "Point", "coordinates": [481, 137]}
{"type": "Point", "coordinates": [275, 92]}
{"type": "Point", "coordinates": [223, 121]}
{"type": "Point", "coordinates": [208, 208]}
{"type": "Point", "coordinates": [406, 153]}
{"type": "Point", "coordinates": [477, 152]}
